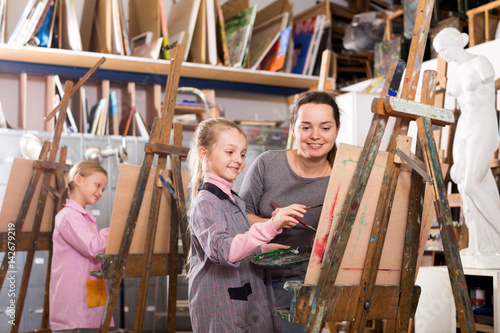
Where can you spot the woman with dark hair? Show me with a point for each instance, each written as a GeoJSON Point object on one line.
{"type": "Point", "coordinates": [295, 176]}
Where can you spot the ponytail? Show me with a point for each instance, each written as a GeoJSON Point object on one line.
{"type": "Point", "coordinates": [206, 136]}
{"type": "Point", "coordinates": [64, 196]}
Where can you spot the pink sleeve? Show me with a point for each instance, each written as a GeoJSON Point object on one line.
{"type": "Point", "coordinates": [82, 236]}
{"type": "Point", "coordinates": [245, 244]}
{"type": "Point", "coordinates": [104, 234]}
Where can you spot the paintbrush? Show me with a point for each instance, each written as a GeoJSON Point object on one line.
{"type": "Point", "coordinates": [167, 185]}
{"type": "Point", "coordinates": [299, 220]}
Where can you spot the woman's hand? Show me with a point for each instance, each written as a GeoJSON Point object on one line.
{"type": "Point", "coordinates": [275, 246]}
{"type": "Point", "coordinates": [285, 217]}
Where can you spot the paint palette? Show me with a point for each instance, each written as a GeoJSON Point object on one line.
{"type": "Point", "coordinates": [283, 258]}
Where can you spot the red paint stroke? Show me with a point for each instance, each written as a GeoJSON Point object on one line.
{"type": "Point", "coordinates": [335, 201]}
{"type": "Point", "coordinates": [319, 247]}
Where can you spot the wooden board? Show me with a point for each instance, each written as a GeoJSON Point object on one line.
{"type": "Point", "coordinates": [198, 50]}
{"type": "Point", "coordinates": [264, 36]}
{"type": "Point", "coordinates": [144, 15]}
{"type": "Point", "coordinates": [353, 261]}
{"type": "Point", "coordinates": [17, 185]}
{"type": "Point", "coordinates": [181, 23]}
{"type": "Point", "coordinates": [87, 23]}
{"type": "Point", "coordinates": [127, 180]}
{"type": "Point", "coordinates": [276, 8]}
{"type": "Point", "coordinates": [233, 7]}
{"type": "Point", "coordinates": [102, 21]}
{"type": "Point", "coordinates": [321, 8]}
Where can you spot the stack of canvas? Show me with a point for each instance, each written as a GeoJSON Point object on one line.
{"type": "Point", "coordinates": [306, 39]}
{"type": "Point", "coordinates": [39, 20]}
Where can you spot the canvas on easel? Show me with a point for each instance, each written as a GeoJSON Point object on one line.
{"type": "Point", "coordinates": [352, 264]}
{"type": "Point", "coordinates": [127, 179]}
{"type": "Point", "coordinates": [17, 185]}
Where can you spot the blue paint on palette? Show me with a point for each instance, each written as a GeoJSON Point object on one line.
{"type": "Point", "coordinates": [392, 92]}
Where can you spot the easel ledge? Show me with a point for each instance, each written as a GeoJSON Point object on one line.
{"type": "Point", "coordinates": [159, 265]}
{"type": "Point", "coordinates": [385, 304]}
{"type": "Point", "coordinates": [24, 242]}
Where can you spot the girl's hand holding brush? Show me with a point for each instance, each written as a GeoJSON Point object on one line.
{"type": "Point", "coordinates": [285, 217]}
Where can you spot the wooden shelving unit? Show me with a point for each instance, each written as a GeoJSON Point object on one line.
{"type": "Point", "coordinates": [72, 64]}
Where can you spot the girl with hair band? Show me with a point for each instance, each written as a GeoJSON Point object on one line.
{"type": "Point", "coordinates": [227, 293]}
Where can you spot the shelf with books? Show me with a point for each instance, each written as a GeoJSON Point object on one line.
{"type": "Point", "coordinates": [74, 64]}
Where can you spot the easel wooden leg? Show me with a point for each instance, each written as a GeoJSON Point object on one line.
{"type": "Point", "coordinates": [149, 247]}
{"type": "Point", "coordinates": [175, 165]}
{"type": "Point", "coordinates": [178, 219]}
{"type": "Point", "coordinates": [172, 277]}
{"type": "Point", "coordinates": [379, 230]}
{"type": "Point", "coordinates": [415, 210]}
{"type": "Point", "coordinates": [119, 271]}
{"type": "Point", "coordinates": [450, 245]}
{"type": "Point", "coordinates": [410, 253]}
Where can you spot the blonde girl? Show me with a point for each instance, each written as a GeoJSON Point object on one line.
{"type": "Point", "coordinates": [227, 293]}
{"type": "Point", "coordinates": [76, 298]}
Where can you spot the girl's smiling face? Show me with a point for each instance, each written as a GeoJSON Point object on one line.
{"type": "Point", "coordinates": [88, 190]}
{"type": "Point", "coordinates": [315, 130]}
{"type": "Point", "coordinates": [226, 158]}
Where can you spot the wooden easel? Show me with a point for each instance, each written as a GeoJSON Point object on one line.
{"type": "Point", "coordinates": [149, 263]}
{"type": "Point", "coordinates": [36, 235]}
{"type": "Point", "coordinates": [331, 298]}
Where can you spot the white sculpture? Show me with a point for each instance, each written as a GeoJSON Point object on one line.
{"type": "Point", "coordinates": [476, 139]}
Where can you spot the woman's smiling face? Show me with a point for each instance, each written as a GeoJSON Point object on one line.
{"type": "Point", "coordinates": [315, 130]}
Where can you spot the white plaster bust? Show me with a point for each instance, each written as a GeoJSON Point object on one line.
{"type": "Point", "coordinates": [476, 139]}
